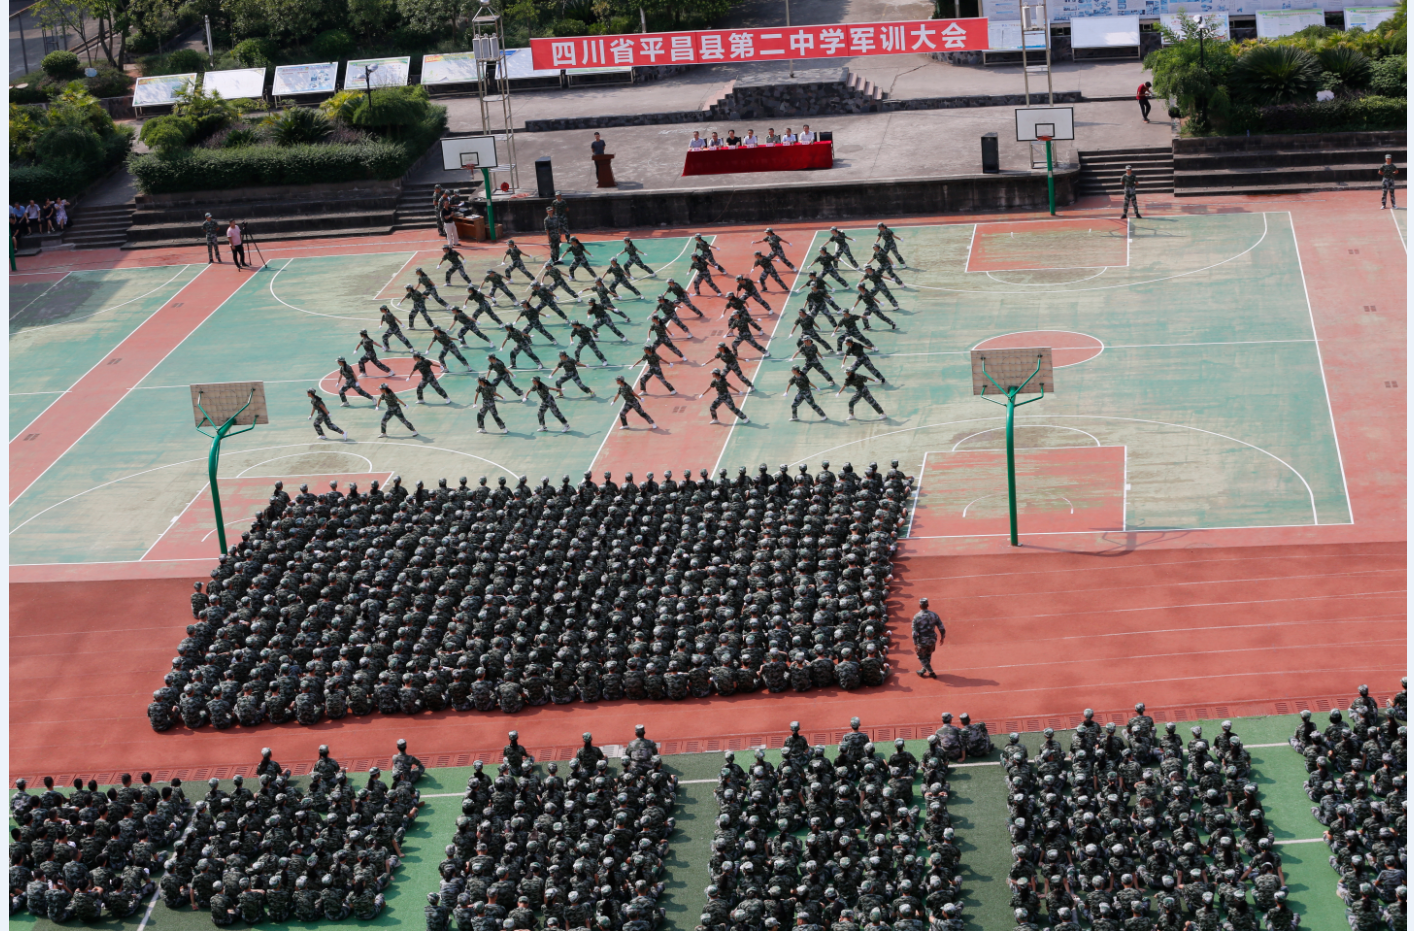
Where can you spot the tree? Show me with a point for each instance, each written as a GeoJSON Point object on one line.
{"type": "Point", "coordinates": [433, 16]}
{"type": "Point", "coordinates": [1272, 74]}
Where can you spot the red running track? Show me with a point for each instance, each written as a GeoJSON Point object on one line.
{"type": "Point", "coordinates": [1030, 637]}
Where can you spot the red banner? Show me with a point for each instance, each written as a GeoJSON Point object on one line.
{"type": "Point", "coordinates": [729, 45]}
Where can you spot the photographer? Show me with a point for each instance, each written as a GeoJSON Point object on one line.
{"type": "Point", "coordinates": [234, 237]}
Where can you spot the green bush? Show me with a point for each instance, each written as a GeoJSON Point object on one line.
{"type": "Point", "coordinates": [185, 61]}
{"type": "Point", "coordinates": [1277, 74]}
{"type": "Point", "coordinates": [296, 126]}
{"type": "Point", "coordinates": [333, 45]}
{"type": "Point", "coordinates": [109, 82]}
{"type": "Point", "coordinates": [142, 43]}
{"type": "Point", "coordinates": [1349, 68]}
{"type": "Point", "coordinates": [30, 93]}
{"type": "Point", "coordinates": [256, 53]}
{"type": "Point", "coordinates": [1389, 76]}
{"type": "Point", "coordinates": [65, 176]}
{"type": "Point", "coordinates": [167, 134]}
{"type": "Point", "coordinates": [569, 28]}
{"type": "Point", "coordinates": [61, 65]}
{"type": "Point", "coordinates": [1362, 114]}
{"type": "Point", "coordinates": [259, 166]}
{"type": "Point", "coordinates": [391, 109]}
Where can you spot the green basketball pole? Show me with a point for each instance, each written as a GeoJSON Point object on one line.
{"type": "Point", "coordinates": [1011, 406]}
{"type": "Point", "coordinates": [213, 461]}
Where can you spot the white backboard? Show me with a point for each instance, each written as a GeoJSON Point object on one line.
{"type": "Point", "coordinates": [1104, 32]}
{"type": "Point", "coordinates": [233, 85]}
{"type": "Point", "coordinates": [470, 152]}
{"type": "Point", "coordinates": [1034, 122]}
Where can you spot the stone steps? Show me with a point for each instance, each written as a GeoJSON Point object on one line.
{"type": "Point", "coordinates": [98, 227]}
{"type": "Point", "coordinates": [1284, 164]}
{"type": "Point", "coordinates": [414, 210]}
{"type": "Point", "coordinates": [1102, 171]}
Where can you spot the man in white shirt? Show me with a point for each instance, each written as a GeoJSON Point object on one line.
{"type": "Point", "coordinates": [233, 236]}
{"type": "Point", "coordinates": [697, 141]}
{"type": "Point", "coordinates": [715, 142]}
{"type": "Point", "coordinates": [751, 139]}
{"type": "Point", "coordinates": [806, 135]}
{"type": "Point", "coordinates": [789, 137]}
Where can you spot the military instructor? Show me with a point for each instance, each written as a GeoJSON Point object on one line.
{"type": "Point", "coordinates": [928, 632]}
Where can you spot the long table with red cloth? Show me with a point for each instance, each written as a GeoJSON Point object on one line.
{"type": "Point", "coordinates": [739, 159]}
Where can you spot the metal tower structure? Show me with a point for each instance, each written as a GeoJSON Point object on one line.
{"type": "Point", "coordinates": [488, 44]}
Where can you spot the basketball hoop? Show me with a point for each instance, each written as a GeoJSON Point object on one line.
{"type": "Point", "coordinates": [1040, 138]}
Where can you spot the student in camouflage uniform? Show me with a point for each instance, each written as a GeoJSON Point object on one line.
{"type": "Point", "coordinates": [775, 242]}
{"type": "Point", "coordinates": [570, 369]}
{"type": "Point", "coordinates": [653, 368]}
{"type": "Point", "coordinates": [631, 402]}
{"type": "Point", "coordinates": [212, 230]}
{"type": "Point", "coordinates": [422, 367]}
{"type": "Point", "coordinates": [498, 282]}
{"type": "Point", "coordinates": [453, 260]}
{"type": "Point", "coordinates": [387, 398]}
{"type": "Point", "coordinates": [1387, 173]}
{"type": "Point", "coordinates": [1130, 182]}
{"type": "Point", "coordinates": [803, 394]}
{"type": "Point", "coordinates": [859, 384]}
{"type": "Point", "coordinates": [584, 339]}
{"type": "Point", "coordinates": [487, 396]}
{"type": "Point", "coordinates": [419, 306]}
{"type": "Point", "coordinates": [887, 241]}
{"type": "Point", "coordinates": [468, 325]}
{"type": "Point", "coordinates": [370, 354]}
{"type": "Point", "coordinates": [599, 313]}
{"type": "Point", "coordinates": [723, 389]}
{"type": "Point", "coordinates": [547, 403]}
{"type": "Point", "coordinates": [515, 259]}
{"type": "Point", "coordinates": [580, 254]}
{"type": "Point", "coordinates": [522, 344]}
{"type": "Point", "coordinates": [635, 257]}
{"type": "Point", "coordinates": [768, 270]}
{"type": "Point", "coordinates": [829, 267]}
{"type": "Point", "coordinates": [392, 328]}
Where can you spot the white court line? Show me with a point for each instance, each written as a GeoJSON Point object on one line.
{"type": "Point", "coordinates": [917, 491]}
{"type": "Point", "coordinates": [371, 471]}
{"type": "Point", "coordinates": [1053, 348]}
{"type": "Point", "coordinates": [636, 368]}
{"type": "Point", "coordinates": [1399, 231]}
{"type": "Point", "coordinates": [761, 363]}
{"type": "Point", "coordinates": [1309, 492]}
{"type": "Point", "coordinates": [52, 285]}
{"type": "Point", "coordinates": [301, 310]}
{"type": "Point", "coordinates": [175, 520]}
{"type": "Point", "coordinates": [390, 281]}
{"type": "Point", "coordinates": [1112, 287]}
{"type": "Point", "coordinates": [105, 310]}
{"type": "Point", "coordinates": [1321, 366]}
{"type": "Point", "coordinates": [1233, 342]}
{"type": "Point", "coordinates": [971, 243]}
{"type": "Point", "coordinates": [106, 356]}
{"type": "Point", "coordinates": [1051, 426]}
{"type": "Point", "coordinates": [26, 394]}
{"type": "Point", "coordinates": [310, 446]}
{"type": "Point", "coordinates": [147, 916]}
{"type": "Point", "coordinates": [1304, 840]}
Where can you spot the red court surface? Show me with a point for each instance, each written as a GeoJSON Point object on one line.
{"type": "Point", "coordinates": [401, 379]}
{"type": "Point", "coordinates": [963, 493]}
{"type": "Point", "coordinates": [1223, 622]}
{"type": "Point", "coordinates": [1063, 243]}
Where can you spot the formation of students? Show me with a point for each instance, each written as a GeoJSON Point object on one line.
{"type": "Point", "coordinates": [515, 326]}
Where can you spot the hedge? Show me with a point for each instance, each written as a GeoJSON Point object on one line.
{"type": "Point", "coordinates": [1328, 116]}
{"type": "Point", "coordinates": [68, 177]}
{"type": "Point", "coordinates": [270, 165]}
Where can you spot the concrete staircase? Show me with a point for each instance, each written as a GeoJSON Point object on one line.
{"type": "Point", "coordinates": [814, 92]}
{"type": "Point", "coordinates": [353, 213]}
{"type": "Point", "coordinates": [1102, 169]}
{"type": "Point", "coordinates": [414, 210]}
{"type": "Point", "coordinates": [1284, 164]}
{"type": "Point", "coordinates": [99, 227]}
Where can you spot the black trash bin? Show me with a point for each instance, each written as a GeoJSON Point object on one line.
{"type": "Point", "coordinates": [991, 155]}
{"type": "Point", "coordinates": [544, 177]}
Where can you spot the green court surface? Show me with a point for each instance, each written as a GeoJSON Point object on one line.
{"type": "Point", "coordinates": [1184, 346]}
{"type": "Point", "coordinates": [1400, 215]}
{"type": "Point", "coordinates": [143, 463]}
{"type": "Point", "coordinates": [1209, 379]}
{"type": "Point", "coordinates": [977, 804]}
{"type": "Point", "coordinates": [61, 325]}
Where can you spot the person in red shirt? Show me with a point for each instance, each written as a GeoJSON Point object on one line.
{"type": "Point", "coordinates": [1144, 93]}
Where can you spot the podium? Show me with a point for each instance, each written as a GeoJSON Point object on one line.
{"type": "Point", "coordinates": [603, 170]}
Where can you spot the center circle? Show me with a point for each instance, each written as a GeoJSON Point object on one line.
{"type": "Point", "coordinates": [1067, 347]}
{"type": "Point", "coordinates": [402, 379]}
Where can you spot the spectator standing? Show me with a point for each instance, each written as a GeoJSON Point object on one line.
{"type": "Point", "coordinates": [449, 220]}
{"type": "Point", "coordinates": [1387, 172]}
{"type": "Point", "coordinates": [1142, 95]}
{"type": "Point", "coordinates": [598, 145]}
{"type": "Point", "coordinates": [212, 229]}
{"type": "Point", "coordinates": [61, 214]}
{"type": "Point", "coordinates": [928, 632]}
{"type": "Point", "coordinates": [46, 216]}
{"type": "Point", "coordinates": [233, 239]}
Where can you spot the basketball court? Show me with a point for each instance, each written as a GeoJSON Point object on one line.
{"type": "Point", "coordinates": [1222, 450]}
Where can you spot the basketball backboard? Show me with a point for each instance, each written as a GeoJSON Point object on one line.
{"type": "Point", "coordinates": [223, 399]}
{"type": "Point", "coordinates": [1009, 368]}
{"type": "Point", "coordinates": [469, 152]}
{"type": "Point", "coordinates": [1033, 123]}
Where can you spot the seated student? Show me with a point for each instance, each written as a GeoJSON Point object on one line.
{"type": "Point", "coordinates": [751, 139]}
{"type": "Point", "coordinates": [732, 138]}
{"type": "Point", "coordinates": [806, 135]}
{"type": "Point", "coordinates": [789, 137]}
{"type": "Point", "coordinates": [697, 141]}
{"type": "Point", "coordinates": [771, 137]}
{"type": "Point", "coordinates": [715, 142]}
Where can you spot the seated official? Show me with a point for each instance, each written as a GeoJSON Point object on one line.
{"type": "Point", "coordinates": [732, 138]}
{"type": "Point", "coordinates": [697, 142]}
{"type": "Point", "coordinates": [751, 139]}
{"type": "Point", "coordinates": [806, 135]}
{"type": "Point", "coordinates": [789, 138]}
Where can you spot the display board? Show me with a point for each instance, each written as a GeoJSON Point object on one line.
{"type": "Point", "coordinates": [1065, 11]}
{"type": "Point", "coordinates": [392, 72]}
{"type": "Point", "coordinates": [1273, 24]}
{"type": "Point", "coordinates": [1215, 23]}
{"type": "Point", "coordinates": [520, 64]}
{"type": "Point", "coordinates": [449, 68]}
{"type": "Point", "coordinates": [1007, 36]}
{"type": "Point", "coordinates": [1105, 32]}
{"type": "Point", "coordinates": [774, 43]}
{"type": "Point", "coordinates": [233, 85]}
{"type": "Point", "coordinates": [293, 80]}
{"type": "Point", "coordinates": [1367, 17]}
{"type": "Point", "coordinates": [161, 89]}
